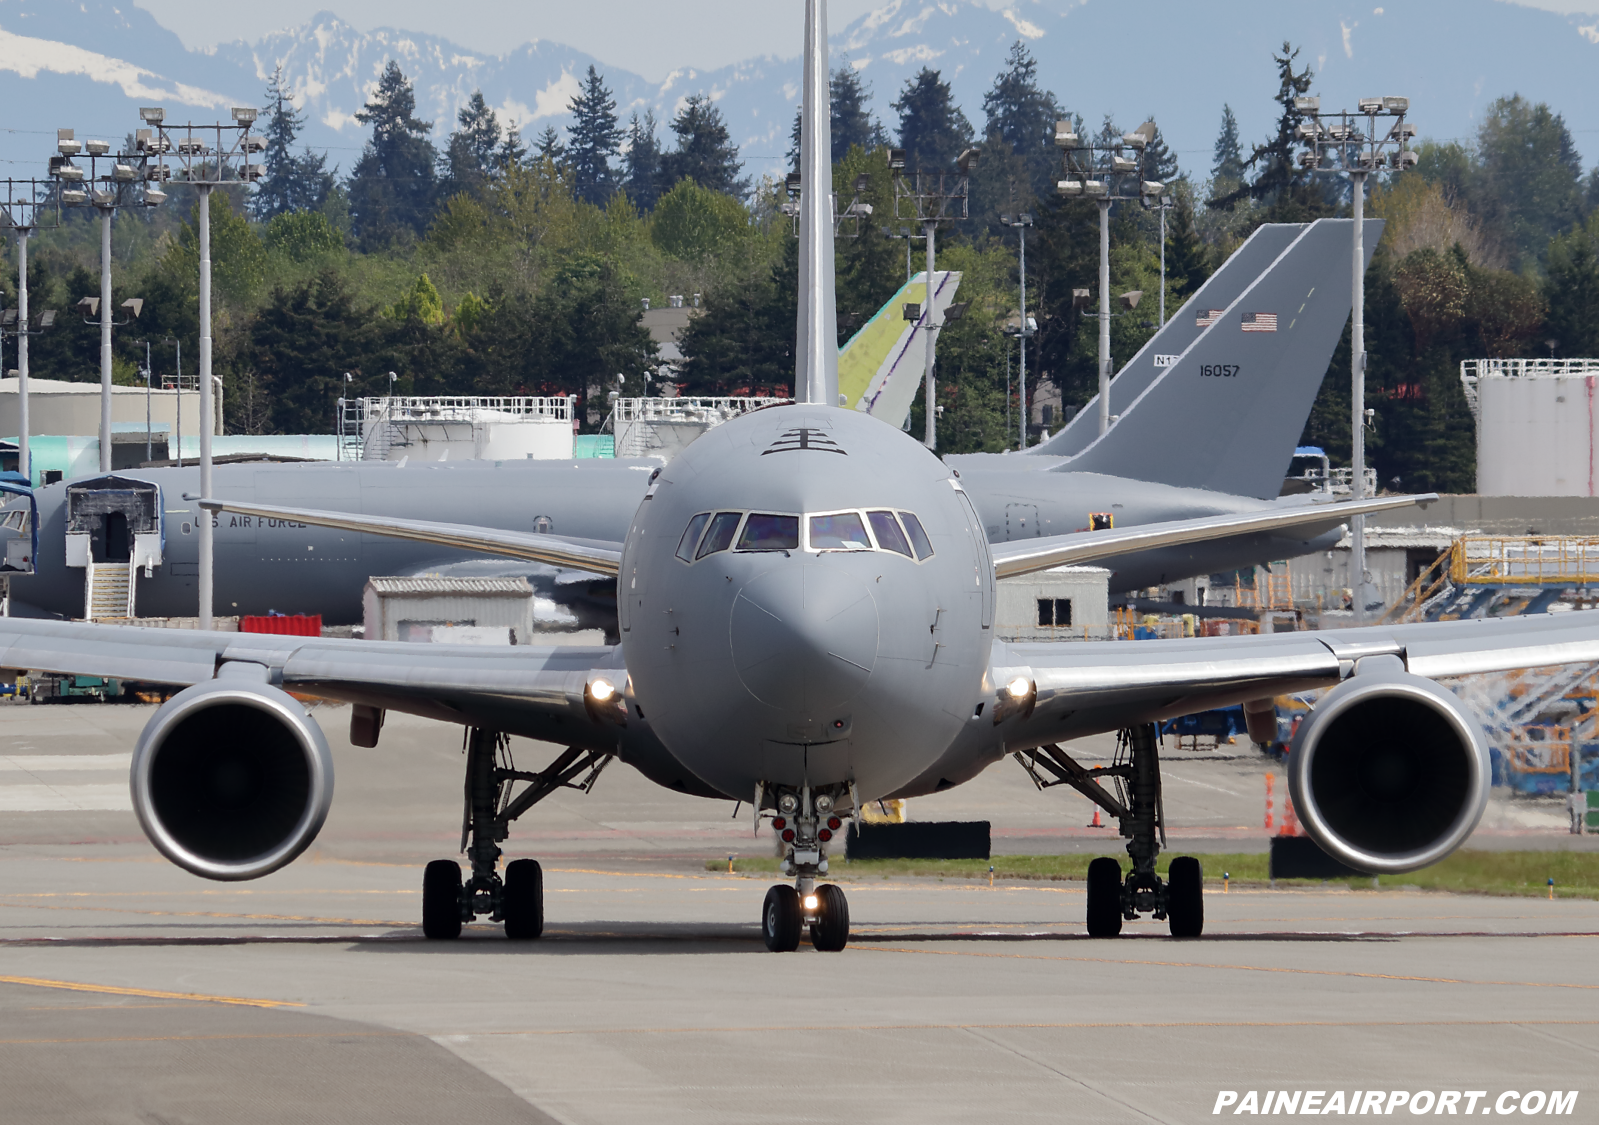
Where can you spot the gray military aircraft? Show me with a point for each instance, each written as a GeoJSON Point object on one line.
{"type": "Point", "coordinates": [1182, 447]}
{"type": "Point", "coordinates": [806, 611]}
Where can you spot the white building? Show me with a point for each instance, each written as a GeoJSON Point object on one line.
{"type": "Point", "coordinates": [1066, 603]}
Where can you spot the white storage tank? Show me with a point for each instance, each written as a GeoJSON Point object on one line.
{"type": "Point", "coordinates": [1537, 424]}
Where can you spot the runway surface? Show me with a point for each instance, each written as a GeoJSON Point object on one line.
{"type": "Point", "coordinates": [130, 991]}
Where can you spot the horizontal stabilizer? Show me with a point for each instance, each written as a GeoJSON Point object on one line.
{"type": "Point", "coordinates": [554, 550]}
{"type": "Point", "coordinates": [1027, 556]}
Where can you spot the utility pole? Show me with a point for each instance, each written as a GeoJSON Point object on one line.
{"type": "Point", "coordinates": [1359, 145]}
{"type": "Point", "coordinates": [107, 191]}
{"type": "Point", "coordinates": [205, 165]}
{"type": "Point", "coordinates": [931, 198]}
{"type": "Point", "coordinates": [1021, 222]}
{"type": "Point", "coordinates": [1104, 172]}
{"type": "Point", "coordinates": [25, 200]}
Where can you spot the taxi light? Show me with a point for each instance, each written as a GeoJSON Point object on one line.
{"type": "Point", "coordinates": [811, 902]}
{"type": "Point", "coordinates": [834, 823]}
{"type": "Point", "coordinates": [601, 690]}
{"type": "Point", "coordinates": [1019, 687]}
{"type": "Point", "coordinates": [778, 823]}
{"type": "Point", "coordinates": [788, 835]}
{"type": "Point", "coordinates": [824, 835]}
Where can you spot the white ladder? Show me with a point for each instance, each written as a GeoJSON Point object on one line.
{"type": "Point", "coordinates": [108, 590]}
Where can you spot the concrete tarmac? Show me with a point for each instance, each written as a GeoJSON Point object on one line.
{"type": "Point", "coordinates": [131, 991]}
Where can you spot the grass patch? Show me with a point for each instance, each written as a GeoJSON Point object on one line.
{"type": "Point", "coordinates": [1576, 874]}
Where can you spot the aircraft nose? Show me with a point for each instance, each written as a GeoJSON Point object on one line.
{"type": "Point", "coordinates": [804, 638]}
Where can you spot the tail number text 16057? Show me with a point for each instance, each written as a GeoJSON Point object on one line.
{"type": "Point", "coordinates": [1218, 370]}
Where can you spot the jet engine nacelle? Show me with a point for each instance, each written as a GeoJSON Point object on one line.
{"type": "Point", "coordinates": [231, 780]}
{"type": "Point", "coordinates": [1389, 773]}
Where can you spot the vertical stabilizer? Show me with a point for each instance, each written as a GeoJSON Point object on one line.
{"type": "Point", "coordinates": [1221, 289]}
{"type": "Point", "coordinates": [1229, 410]}
{"type": "Point", "coordinates": [880, 367]}
{"type": "Point", "coordinates": [816, 329]}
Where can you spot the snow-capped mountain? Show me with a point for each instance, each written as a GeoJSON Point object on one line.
{"type": "Point", "coordinates": [89, 64]}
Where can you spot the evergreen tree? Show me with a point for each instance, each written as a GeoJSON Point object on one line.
{"type": "Point", "coordinates": [595, 138]}
{"type": "Point", "coordinates": [1187, 265]}
{"type": "Point", "coordinates": [704, 152]}
{"type": "Point", "coordinates": [512, 152]}
{"type": "Point", "coordinates": [643, 163]}
{"type": "Point", "coordinates": [1160, 162]}
{"type": "Point", "coordinates": [393, 185]}
{"type": "Point", "coordinates": [850, 123]}
{"type": "Point", "coordinates": [1529, 176]}
{"type": "Point", "coordinates": [292, 183]}
{"type": "Point", "coordinates": [1279, 181]}
{"type": "Point", "coordinates": [1572, 290]}
{"type": "Point", "coordinates": [1023, 116]}
{"type": "Point", "coordinates": [473, 152]}
{"type": "Point", "coordinates": [932, 129]}
{"type": "Point", "coordinates": [1228, 161]}
{"type": "Point", "coordinates": [548, 146]}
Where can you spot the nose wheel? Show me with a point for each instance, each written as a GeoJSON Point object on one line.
{"type": "Point", "coordinates": [786, 915]}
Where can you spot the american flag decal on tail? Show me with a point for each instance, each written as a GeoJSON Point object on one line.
{"type": "Point", "coordinates": [1208, 318]}
{"type": "Point", "coordinates": [1259, 322]}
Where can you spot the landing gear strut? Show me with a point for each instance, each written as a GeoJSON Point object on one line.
{"type": "Point", "coordinates": [1178, 900]}
{"type": "Point", "coordinates": [805, 823]}
{"type": "Point", "coordinates": [518, 898]}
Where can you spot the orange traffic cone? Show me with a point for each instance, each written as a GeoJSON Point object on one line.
{"type": "Point", "coordinates": [1096, 822]}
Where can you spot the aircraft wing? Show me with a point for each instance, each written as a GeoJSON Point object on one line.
{"type": "Point", "coordinates": [534, 690]}
{"type": "Point", "coordinates": [1026, 556]}
{"type": "Point", "coordinates": [1082, 688]}
{"type": "Point", "coordinates": [556, 550]}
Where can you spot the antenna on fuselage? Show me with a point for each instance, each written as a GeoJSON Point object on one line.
{"type": "Point", "coordinates": [816, 327]}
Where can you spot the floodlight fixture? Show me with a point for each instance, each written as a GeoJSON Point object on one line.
{"type": "Point", "coordinates": [47, 318]}
{"type": "Point", "coordinates": [103, 197]}
{"type": "Point", "coordinates": [1308, 130]}
{"type": "Point", "coordinates": [1135, 141]}
{"type": "Point", "coordinates": [74, 198]}
{"type": "Point", "coordinates": [1006, 220]}
{"type": "Point", "coordinates": [252, 142]}
{"type": "Point", "coordinates": [123, 173]}
{"type": "Point", "coordinates": [1405, 159]}
{"type": "Point", "coordinates": [1370, 105]}
{"type": "Point", "coordinates": [1082, 298]}
{"type": "Point", "coordinates": [1310, 160]}
{"type": "Point", "coordinates": [967, 160]}
{"type": "Point", "coordinates": [1066, 135]}
{"type": "Point", "coordinates": [896, 159]}
{"type": "Point", "coordinates": [1069, 187]}
{"type": "Point", "coordinates": [134, 305]}
{"type": "Point", "coordinates": [9, 318]}
{"type": "Point", "coordinates": [70, 173]}
{"type": "Point", "coordinates": [65, 144]}
{"type": "Point", "coordinates": [1094, 188]}
{"type": "Point", "coordinates": [89, 306]}
{"type": "Point", "coordinates": [862, 182]}
{"type": "Point", "coordinates": [792, 183]}
{"type": "Point", "coordinates": [97, 148]}
{"type": "Point", "coordinates": [152, 114]}
{"type": "Point", "coordinates": [912, 311]}
{"type": "Point", "coordinates": [1130, 299]}
{"type": "Point", "coordinates": [1121, 165]}
{"type": "Point", "coordinates": [1151, 188]}
{"type": "Point", "coordinates": [1396, 105]}
{"type": "Point", "coordinates": [1310, 104]}
{"type": "Point", "coordinates": [245, 115]}
{"type": "Point", "coordinates": [956, 311]}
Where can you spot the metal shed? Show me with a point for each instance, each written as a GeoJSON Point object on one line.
{"type": "Point", "coordinates": [476, 611]}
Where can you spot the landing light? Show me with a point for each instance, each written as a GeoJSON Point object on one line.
{"type": "Point", "coordinates": [810, 902]}
{"type": "Point", "coordinates": [601, 690]}
{"type": "Point", "coordinates": [1019, 687]}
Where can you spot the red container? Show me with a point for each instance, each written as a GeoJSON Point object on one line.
{"type": "Point", "coordinates": [296, 625]}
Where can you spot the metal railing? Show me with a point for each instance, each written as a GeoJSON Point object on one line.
{"type": "Point", "coordinates": [632, 419]}
{"type": "Point", "coordinates": [1474, 370]}
{"type": "Point", "coordinates": [369, 427]}
{"type": "Point", "coordinates": [1531, 560]}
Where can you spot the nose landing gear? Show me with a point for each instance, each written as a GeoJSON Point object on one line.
{"type": "Point", "coordinates": [805, 822]}
{"type": "Point", "coordinates": [517, 899]}
{"type": "Point", "coordinates": [1179, 899]}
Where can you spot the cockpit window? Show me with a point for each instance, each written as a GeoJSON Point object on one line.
{"type": "Point", "coordinates": [764, 532]}
{"type": "Point", "coordinates": [685, 546]}
{"type": "Point", "coordinates": [843, 531]}
{"type": "Point", "coordinates": [919, 540]}
{"type": "Point", "coordinates": [720, 536]}
{"type": "Point", "coordinates": [889, 536]}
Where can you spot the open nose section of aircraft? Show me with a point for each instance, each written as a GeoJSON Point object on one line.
{"type": "Point", "coordinates": [804, 638]}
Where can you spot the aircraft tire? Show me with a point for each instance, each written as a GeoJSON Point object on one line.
{"type": "Point", "coordinates": [830, 931]}
{"type": "Point", "coordinates": [1104, 897]}
{"type": "Point", "coordinates": [781, 919]}
{"type": "Point", "coordinates": [441, 900]}
{"type": "Point", "coordinates": [522, 900]}
{"type": "Point", "coordinates": [1185, 897]}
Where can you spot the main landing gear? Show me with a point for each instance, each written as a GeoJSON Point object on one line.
{"type": "Point", "coordinates": [517, 899]}
{"type": "Point", "coordinates": [1179, 899]}
{"type": "Point", "coordinates": [805, 823]}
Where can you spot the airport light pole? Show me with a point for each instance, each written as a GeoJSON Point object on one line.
{"type": "Point", "coordinates": [1102, 171]}
{"type": "Point", "coordinates": [1162, 204]}
{"type": "Point", "coordinates": [1358, 145]}
{"type": "Point", "coordinates": [125, 183]}
{"type": "Point", "coordinates": [209, 156]}
{"type": "Point", "coordinates": [26, 202]}
{"type": "Point", "coordinates": [931, 198]}
{"type": "Point", "coordinates": [1021, 222]}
